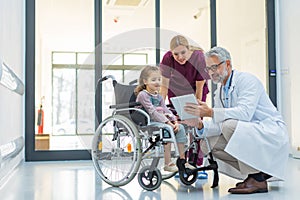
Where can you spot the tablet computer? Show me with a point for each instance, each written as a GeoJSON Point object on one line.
{"type": "Point", "coordinates": [179, 103]}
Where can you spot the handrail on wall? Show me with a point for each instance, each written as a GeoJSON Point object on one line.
{"type": "Point", "coordinates": [10, 80]}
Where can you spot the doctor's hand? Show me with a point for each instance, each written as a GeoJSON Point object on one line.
{"type": "Point", "coordinates": [201, 109]}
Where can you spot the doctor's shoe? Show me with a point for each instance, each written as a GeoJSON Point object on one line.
{"type": "Point", "coordinates": [249, 186]}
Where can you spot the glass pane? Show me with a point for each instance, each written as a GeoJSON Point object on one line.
{"type": "Point", "coordinates": [244, 36]}
{"type": "Point", "coordinates": [133, 59]}
{"type": "Point", "coordinates": [64, 40]}
{"type": "Point", "coordinates": [63, 58]}
{"type": "Point", "coordinates": [85, 101]}
{"type": "Point", "coordinates": [190, 19]}
{"type": "Point", "coordinates": [128, 43]}
{"type": "Point", "coordinates": [64, 113]}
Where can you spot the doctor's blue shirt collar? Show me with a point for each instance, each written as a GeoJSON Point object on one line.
{"type": "Point", "coordinates": [228, 83]}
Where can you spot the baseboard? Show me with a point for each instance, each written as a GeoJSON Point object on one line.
{"type": "Point", "coordinates": [296, 152]}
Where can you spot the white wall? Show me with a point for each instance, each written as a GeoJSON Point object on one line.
{"type": "Point", "coordinates": [288, 47]}
{"type": "Point", "coordinates": [12, 53]}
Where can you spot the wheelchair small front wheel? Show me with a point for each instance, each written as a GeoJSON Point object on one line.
{"type": "Point", "coordinates": [188, 177]}
{"type": "Point", "coordinates": [149, 179]}
{"type": "Point", "coordinates": [164, 174]}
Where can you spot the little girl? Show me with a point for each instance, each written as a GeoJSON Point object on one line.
{"type": "Point", "coordinates": [148, 95]}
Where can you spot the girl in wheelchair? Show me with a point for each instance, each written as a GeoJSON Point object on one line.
{"type": "Point", "coordinates": [152, 102]}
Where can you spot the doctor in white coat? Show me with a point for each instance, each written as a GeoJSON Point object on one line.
{"type": "Point", "coordinates": [246, 132]}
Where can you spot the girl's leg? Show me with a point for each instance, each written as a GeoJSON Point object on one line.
{"type": "Point", "coordinates": [169, 166]}
{"type": "Point", "coordinates": [181, 150]}
{"type": "Point", "coordinates": [167, 153]}
{"type": "Point", "coordinates": [181, 139]}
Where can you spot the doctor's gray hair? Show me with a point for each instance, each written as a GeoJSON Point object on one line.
{"type": "Point", "coordinates": [219, 52]}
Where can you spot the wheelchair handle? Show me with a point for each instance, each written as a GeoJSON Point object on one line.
{"type": "Point", "coordinates": [107, 77]}
{"type": "Point", "coordinates": [97, 92]}
{"type": "Point", "coordinates": [133, 82]}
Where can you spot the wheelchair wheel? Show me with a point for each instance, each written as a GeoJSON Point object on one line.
{"type": "Point", "coordinates": [149, 180]}
{"type": "Point", "coordinates": [188, 177]}
{"type": "Point", "coordinates": [164, 174]}
{"type": "Point", "coordinates": [116, 150]}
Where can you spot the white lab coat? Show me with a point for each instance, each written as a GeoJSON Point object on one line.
{"type": "Point", "coordinates": [260, 139]}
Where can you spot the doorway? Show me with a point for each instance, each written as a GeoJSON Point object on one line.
{"type": "Point", "coordinates": [65, 40]}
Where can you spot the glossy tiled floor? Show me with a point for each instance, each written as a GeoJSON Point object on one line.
{"type": "Point", "coordinates": [77, 180]}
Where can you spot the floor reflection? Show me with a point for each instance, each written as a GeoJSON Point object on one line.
{"type": "Point", "coordinates": [76, 180]}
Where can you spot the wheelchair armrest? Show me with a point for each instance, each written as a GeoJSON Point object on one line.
{"type": "Point", "coordinates": [133, 109]}
{"type": "Point", "coordinates": [125, 105]}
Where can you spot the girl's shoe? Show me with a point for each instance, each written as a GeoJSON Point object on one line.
{"type": "Point", "coordinates": [189, 166]}
{"type": "Point", "coordinates": [171, 167]}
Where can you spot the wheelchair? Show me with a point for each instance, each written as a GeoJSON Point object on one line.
{"type": "Point", "coordinates": [127, 143]}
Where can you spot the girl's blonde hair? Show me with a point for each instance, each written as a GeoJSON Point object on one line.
{"type": "Point", "coordinates": [181, 40]}
{"type": "Point", "coordinates": [145, 73]}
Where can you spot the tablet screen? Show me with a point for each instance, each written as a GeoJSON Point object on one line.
{"type": "Point", "coordinates": [179, 103]}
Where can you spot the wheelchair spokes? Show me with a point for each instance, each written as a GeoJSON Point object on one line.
{"type": "Point", "coordinates": [116, 150]}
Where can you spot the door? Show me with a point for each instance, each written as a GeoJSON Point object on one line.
{"type": "Point", "coordinates": [60, 119]}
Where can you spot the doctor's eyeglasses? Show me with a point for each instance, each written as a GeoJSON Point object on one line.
{"type": "Point", "coordinates": [213, 68]}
